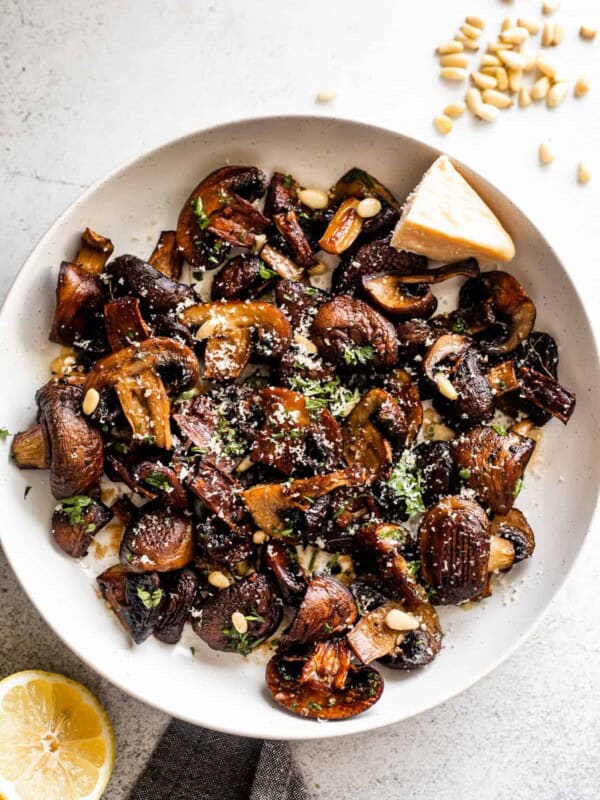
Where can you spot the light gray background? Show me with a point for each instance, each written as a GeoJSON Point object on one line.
{"type": "Point", "coordinates": [88, 84]}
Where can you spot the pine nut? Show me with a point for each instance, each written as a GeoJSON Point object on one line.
{"type": "Point", "coordinates": [218, 579]}
{"type": "Point", "coordinates": [244, 464]}
{"type": "Point", "coordinates": [515, 79]}
{"type": "Point", "coordinates": [305, 343]}
{"type": "Point", "coordinates": [501, 76]}
{"type": "Point", "coordinates": [587, 33]}
{"type": "Point", "coordinates": [529, 24]}
{"type": "Point", "coordinates": [474, 100]}
{"type": "Point", "coordinates": [326, 96]}
{"type": "Point", "coordinates": [510, 59]}
{"type": "Point", "coordinates": [540, 88]}
{"type": "Point", "coordinates": [444, 385]}
{"type": "Point", "coordinates": [546, 154]}
{"type": "Point", "coordinates": [515, 35]}
{"type": "Point", "coordinates": [313, 198]}
{"type": "Point", "coordinates": [550, 6]}
{"type": "Point", "coordinates": [90, 401]}
{"type": "Point", "coordinates": [318, 269]}
{"type": "Point", "coordinates": [524, 97]}
{"type": "Point", "coordinates": [443, 123]}
{"type": "Point", "coordinates": [559, 34]}
{"type": "Point", "coordinates": [496, 98]}
{"type": "Point", "coordinates": [489, 60]}
{"type": "Point", "coordinates": [494, 47]}
{"type": "Point", "coordinates": [449, 47]}
{"type": "Point", "coordinates": [476, 22]}
{"type": "Point", "coordinates": [583, 174]}
{"type": "Point", "coordinates": [548, 34]}
{"type": "Point", "coordinates": [529, 57]}
{"type": "Point", "coordinates": [369, 207]}
{"type": "Point", "coordinates": [557, 94]}
{"type": "Point", "coordinates": [453, 74]}
{"type": "Point", "coordinates": [454, 60]}
{"type": "Point", "coordinates": [260, 241]}
{"type": "Point", "coordinates": [239, 622]}
{"type": "Point", "coordinates": [467, 42]}
{"type": "Point", "coordinates": [454, 110]}
{"type": "Point", "coordinates": [545, 66]}
{"type": "Point", "coordinates": [487, 112]}
{"type": "Point", "coordinates": [582, 87]}
{"type": "Point", "coordinates": [259, 537]}
{"type": "Point", "coordinates": [483, 81]}
{"type": "Point", "coordinates": [399, 620]}
{"type": "Point", "coordinates": [470, 30]}
{"type": "Point", "coordinates": [507, 24]}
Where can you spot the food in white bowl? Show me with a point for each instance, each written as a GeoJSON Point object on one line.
{"type": "Point", "coordinates": [277, 418]}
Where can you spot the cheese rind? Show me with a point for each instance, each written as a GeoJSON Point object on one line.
{"type": "Point", "coordinates": [446, 220]}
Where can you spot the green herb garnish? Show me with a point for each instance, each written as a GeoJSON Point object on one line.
{"type": "Point", "coordinates": [254, 616]}
{"type": "Point", "coordinates": [200, 214]}
{"type": "Point", "coordinates": [150, 599]}
{"type": "Point", "coordinates": [459, 326]}
{"type": "Point", "coordinates": [158, 481]}
{"type": "Point", "coordinates": [4, 432]}
{"type": "Point", "coordinates": [358, 355]}
{"type": "Point", "coordinates": [500, 429]}
{"type": "Point", "coordinates": [74, 507]}
{"type": "Point", "coordinates": [26, 492]}
{"type": "Point", "coordinates": [333, 561]}
{"type": "Point", "coordinates": [265, 273]}
{"type": "Point", "coordinates": [518, 487]}
{"type": "Point", "coordinates": [405, 480]}
{"type": "Point", "coordinates": [313, 560]}
{"type": "Point", "coordinates": [396, 534]}
{"type": "Point", "coordinates": [330, 395]}
{"type": "Point", "coordinates": [464, 473]}
{"type": "Point", "coordinates": [287, 181]}
{"type": "Point", "coordinates": [314, 706]}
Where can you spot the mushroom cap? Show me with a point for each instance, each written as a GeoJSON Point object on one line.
{"type": "Point", "coordinates": [158, 540]}
{"type": "Point", "coordinates": [419, 647]}
{"type": "Point", "coordinates": [327, 608]}
{"type": "Point", "coordinates": [373, 258]}
{"type": "Point", "coordinates": [180, 592]}
{"type": "Point", "coordinates": [397, 298]}
{"type": "Point", "coordinates": [74, 538]}
{"type": "Point", "coordinates": [156, 292]}
{"type": "Point", "coordinates": [136, 599]}
{"type": "Point", "coordinates": [515, 528]}
{"type": "Point", "coordinates": [287, 571]}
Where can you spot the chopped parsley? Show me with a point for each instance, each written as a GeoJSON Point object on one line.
{"type": "Point", "coordinates": [500, 429]}
{"type": "Point", "coordinates": [90, 528]}
{"type": "Point", "coordinates": [329, 394]}
{"type": "Point", "coordinates": [158, 481]}
{"type": "Point", "coordinates": [358, 355]}
{"type": "Point", "coordinates": [405, 480]}
{"type": "Point", "coordinates": [459, 326]}
{"type": "Point", "coordinates": [413, 568]}
{"type": "Point", "coordinates": [287, 181]}
{"type": "Point", "coordinates": [464, 473]}
{"type": "Point", "coordinates": [150, 599]}
{"type": "Point", "coordinates": [74, 507]}
{"type": "Point", "coordinates": [313, 560]}
{"type": "Point", "coordinates": [230, 443]}
{"type": "Point", "coordinates": [26, 492]}
{"type": "Point", "coordinates": [395, 534]}
{"type": "Point", "coordinates": [254, 616]}
{"type": "Point", "coordinates": [4, 432]}
{"type": "Point", "coordinates": [265, 273]}
{"type": "Point", "coordinates": [333, 561]}
{"type": "Point", "coordinates": [286, 532]}
{"type": "Point", "coordinates": [200, 214]}
{"type": "Point", "coordinates": [314, 706]}
{"type": "Point", "coordinates": [518, 487]}
{"type": "Point", "coordinates": [327, 627]}
{"type": "Point", "coordinates": [186, 395]}
{"type": "Point", "coordinates": [311, 291]}
{"type": "Point", "coordinates": [240, 642]}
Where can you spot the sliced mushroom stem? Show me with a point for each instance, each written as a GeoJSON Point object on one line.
{"type": "Point", "coordinates": [29, 449]}
{"type": "Point", "coordinates": [502, 378]}
{"type": "Point", "coordinates": [502, 554]}
{"type": "Point", "coordinates": [166, 256]}
{"type": "Point", "coordinates": [94, 251]}
{"type": "Point", "coordinates": [343, 229]}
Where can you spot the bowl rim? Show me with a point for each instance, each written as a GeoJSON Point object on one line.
{"type": "Point", "coordinates": [321, 731]}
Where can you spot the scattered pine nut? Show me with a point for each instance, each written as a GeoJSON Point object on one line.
{"type": "Point", "coordinates": [582, 87]}
{"type": "Point", "coordinates": [326, 96]}
{"type": "Point", "coordinates": [467, 42]}
{"type": "Point", "coordinates": [545, 66]}
{"type": "Point", "coordinates": [487, 112]}
{"type": "Point", "coordinates": [454, 109]}
{"type": "Point", "coordinates": [540, 88]}
{"type": "Point", "coordinates": [259, 537]}
{"type": "Point", "coordinates": [550, 6]}
{"type": "Point", "coordinates": [443, 123]}
{"type": "Point", "coordinates": [496, 98]}
{"type": "Point", "coordinates": [559, 34]}
{"type": "Point", "coordinates": [399, 620]}
{"type": "Point", "coordinates": [367, 208]}
{"type": "Point", "coordinates": [489, 60]}
{"type": "Point", "coordinates": [529, 24]}
{"type": "Point", "coordinates": [260, 241]}
{"type": "Point", "coordinates": [239, 622]}
{"type": "Point", "coordinates": [529, 57]}
{"type": "Point", "coordinates": [306, 344]}
{"type": "Point", "coordinates": [319, 269]}
{"type": "Point", "coordinates": [450, 47]}
{"type": "Point", "coordinates": [313, 198]}
{"type": "Point", "coordinates": [494, 47]}
{"type": "Point", "coordinates": [546, 154]}
{"type": "Point", "coordinates": [515, 35]}
{"type": "Point", "coordinates": [501, 76]}
{"type": "Point", "coordinates": [218, 579]}
{"type": "Point", "coordinates": [476, 22]}
{"type": "Point", "coordinates": [548, 34]}
{"type": "Point", "coordinates": [452, 74]}
{"type": "Point", "coordinates": [244, 464]}
{"type": "Point", "coordinates": [483, 81]}
{"type": "Point", "coordinates": [474, 100]}
{"type": "Point", "coordinates": [515, 79]}
{"type": "Point", "coordinates": [510, 59]}
{"type": "Point", "coordinates": [470, 30]}
{"type": "Point", "coordinates": [507, 24]}
{"type": "Point", "coordinates": [587, 33]}
{"type": "Point", "coordinates": [524, 97]}
{"type": "Point", "coordinates": [556, 94]}
{"type": "Point", "coordinates": [90, 401]}
{"type": "Point", "coordinates": [454, 60]}
{"type": "Point", "coordinates": [583, 174]}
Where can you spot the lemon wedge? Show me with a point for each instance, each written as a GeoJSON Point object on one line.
{"type": "Point", "coordinates": [56, 741]}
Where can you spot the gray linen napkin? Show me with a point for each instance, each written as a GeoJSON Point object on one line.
{"type": "Point", "coordinates": [191, 763]}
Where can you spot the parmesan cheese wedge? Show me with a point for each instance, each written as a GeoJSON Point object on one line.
{"type": "Point", "coordinates": [446, 220]}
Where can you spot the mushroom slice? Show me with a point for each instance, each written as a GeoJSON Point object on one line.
{"type": "Point", "coordinates": [407, 411]}
{"type": "Point", "coordinates": [364, 444]}
{"type": "Point", "coordinates": [371, 638]}
{"type": "Point", "coordinates": [323, 684]}
{"type": "Point", "coordinates": [289, 575]}
{"type": "Point", "coordinates": [327, 608]}
{"type": "Point", "coordinates": [343, 229]}
{"type": "Point", "coordinates": [221, 544]}
{"type": "Point", "coordinates": [282, 195]}
{"type": "Point", "coordinates": [124, 323]}
{"type": "Point", "coordinates": [75, 522]}
{"type": "Point", "coordinates": [158, 540]}
{"type": "Point", "coordinates": [133, 373]}
{"type": "Point", "coordinates": [267, 502]}
{"type": "Point", "coordinates": [373, 258]}
{"type": "Point", "coordinates": [254, 599]}
{"type": "Point", "coordinates": [166, 256]}
{"type": "Point", "coordinates": [348, 331]}
{"type": "Point", "coordinates": [240, 279]}
{"type": "Point", "coordinates": [391, 295]}
{"type": "Point", "coordinates": [156, 292]}
{"type": "Point", "coordinates": [137, 600]}
{"type": "Point", "coordinates": [509, 299]}
{"type": "Point", "coordinates": [439, 475]}
{"type": "Point", "coordinates": [493, 464]}
{"type": "Point", "coordinates": [228, 327]}
{"type": "Point", "coordinates": [161, 481]}
{"type": "Point", "coordinates": [289, 227]}
{"type": "Point", "coordinates": [281, 264]}
{"type": "Point", "coordinates": [449, 347]}
{"type": "Point", "coordinates": [358, 183]}
{"type": "Point", "coordinates": [515, 529]}
{"type": "Point", "coordinates": [180, 592]}
{"type": "Point", "coordinates": [299, 301]}
{"type": "Point", "coordinates": [454, 543]}
{"type": "Point", "coordinates": [94, 251]}
{"type": "Point", "coordinates": [546, 393]}
{"type": "Point", "coordinates": [502, 378]}
{"type": "Point", "coordinates": [219, 492]}
{"type": "Point", "coordinates": [63, 440]}
{"type": "Point", "coordinates": [79, 301]}
{"type": "Point", "coordinates": [417, 648]}
{"type": "Point", "coordinates": [220, 200]}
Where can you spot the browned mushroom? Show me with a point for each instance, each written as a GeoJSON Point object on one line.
{"type": "Point", "coordinates": [280, 264]}
{"type": "Point", "coordinates": [323, 684]}
{"type": "Point", "coordinates": [133, 374]}
{"type": "Point", "coordinates": [219, 543]}
{"type": "Point", "coordinates": [510, 301]}
{"type": "Point", "coordinates": [124, 323]}
{"type": "Point", "coordinates": [299, 301]}
{"type": "Point", "coordinates": [439, 475]}
{"type": "Point", "coordinates": [288, 225]}
{"type": "Point", "coordinates": [348, 331]}
{"type": "Point", "coordinates": [269, 502]}
{"type": "Point", "coordinates": [364, 443]}
{"type": "Point", "coordinates": [240, 279]}
{"type": "Point", "coordinates": [546, 393]}
{"type": "Point", "coordinates": [75, 522]}
{"type": "Point", "coordinates": [136, 599]}
{"type": "Point", "coordinates": [343, 229]}
{"type": "Point", "coordinates": [221, 204]}
{"type": "Point", "coordinates": [152, 479]}
{"type": "Point", "coordinates": [358, 183]}
{"type": "Point", "coordinates": [80, 298]}
{"type": "Point", "coordinates": [492, 461]}
{"type": "Point", "coordinates": [373, 258]}
{"type": "Point", "coordinates": [514, 528]}
{"type": "Point", "coordinates": [408, 402]}
{"type": "Point", "coordinates": [394, 298]}
{"type": "Point", "coordinates": [502, 378]}
{"type": "Point", "coordinates": [417, 648]}
{"type": "Point", "coordinates": [282, 195]}
{"type": "Point", "coordinates": [180, 592]}
{"type": "Point", "coordinates": [219, 492]}
{"type": "Point", "coordinates": [158, 540]}
{"type": "Point", "coordinates": [156, 292]}
{"type": "Point", "coordinates": [289, 575]}
{"type": "Point", "coordinates": [94, 251]}
{"type": "Point", "coordinates": [371, 638]}
{"type": "Point", "coordinates": [327, 608]}
{"type": "Point", "coordinates": [63, 440]}
{"type": "Point", "coordinates": [166, 256]}
{"type": "Point", "coordinates": [229, 327]}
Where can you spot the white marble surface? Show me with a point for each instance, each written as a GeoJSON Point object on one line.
{"type": "Point", "coordinates": [87, 84]}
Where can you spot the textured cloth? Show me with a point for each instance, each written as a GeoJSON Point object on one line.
{"type": "Point", "coordinates": [192, 763]}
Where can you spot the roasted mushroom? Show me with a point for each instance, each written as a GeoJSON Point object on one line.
{"type": "Point", "coordinates": [80, 298]}
{"type": "Point", "coordinates": [124, 323]}
{"type": "Point", "coordinates": [289, 227]}
{"type": "Point", "coordinates": [219, 492]}
{"type": "Point", "coordinates": [137, 600]}
{"type": "Point", "coordinates": [62, 440]}
{"type": "Point", "coordinates": [166, 256]}
{"type": "Point", "coordinates": [323, 684]}
{"type": "Point", "coordinates": [492, 461]}
{"type": "Point", "coordinates": [220, 543]}
{"type": "Point", "coordinates": [287, 571]}
{"type": "Point", "coordinates": [374, 258]}
{"type": "Point", "coordinates": [364, 443]}
{"type": "Point", "coordinates": [546, 393]}
{"type": "Point", "coordinates": [255, 601]}
{"type": "Point", "coordinates": [156, 292]}
{"type": "Point", "coordinates": [358, 183]}
{"type": "Point", "coordinates": [348, 331]}
{"type": "Point", "coordinates": [159, 480]}
{"type": "Point", "coordinates": [229, 329]}
{"type": "Point", "coordinates": [417, 647]}
{"type": "Point", "coordinates": [399, 300]}
{"type": "Point", "coordinates": [180, 592]}
{"type": "Point", "coordinates": [327, 608]}
{"type": "Point", "coordinates": [371, 638]}
{"type": "Point", "coordinates": [439, 475]}
{"type": "Point", "coordinates": [94, 251]}
{"type": "Point", "coordinates": [75, 522]}
{"type": "Point", "coordinates": [514, 528]}
{"type": "Point", "coordinates": [157, 540]}
{"type": "Point", "coordinates": [242, 278]}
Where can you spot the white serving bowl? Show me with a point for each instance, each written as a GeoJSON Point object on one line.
{"type": "Point", "coordinates": [223, 691]}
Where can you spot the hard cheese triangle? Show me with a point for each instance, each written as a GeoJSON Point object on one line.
{"type": "Point", "coordinates": [446, 220]}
